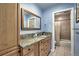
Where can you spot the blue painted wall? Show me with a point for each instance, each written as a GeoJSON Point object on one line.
{"type": "Point", "coordinates": [47, 15]}
{"type": "Point", "coordinates": [47, 22]}
{"type": "Point", "coordinates": [32, 7]}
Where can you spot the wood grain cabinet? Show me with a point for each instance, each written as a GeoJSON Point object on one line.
{"type": "Point", "coordinates": [12, 53]}
{"type": "Point", "coordinates": [36, 48]}
{"type": "Point", "coordinates": [41, 48]}
{"type": "Point", "coordinates": [8, 27]}
{"type": "Point", "coordinates": [44, 46]}
{"type": "Point", "coordinates": [28, 51]}
{"type": "Point", "coordinates": [31, 50]}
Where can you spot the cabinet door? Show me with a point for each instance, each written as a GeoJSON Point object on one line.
{"type": "Point", "coordinates": [44, 46]}
{"type": "Point", "coordinates": [49, 45]}
{"type": "Point", "coordinates": [36, 49]}
{"type": "Point", "coordinates": [65, 29]}
{"type": "Point", "coordinates": [8, 25]}
{"type": "Point", "coordinates": [28, 49]}
{"type": "Point", "coordinates": [30, 54]}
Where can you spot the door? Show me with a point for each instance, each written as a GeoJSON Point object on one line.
{"type": "Point", "coordinates": [65, 30]}
{"type": "Point", "coordinates": [57, 32]}
{"type": "Point", "coordinates": [8, 26]}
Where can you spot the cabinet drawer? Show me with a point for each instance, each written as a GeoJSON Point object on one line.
{"type": "Point", "coordinates": [43, 53]}
{"type": "Point", "coordinates": [46, 53]}
{"type": "Point", "coordinates": [12, 53]}
{"type": "Point", "coordinates": [36, 49]}
{"type": "Point", "coordinates": [30, 54]}
{"type": "Point", "coordinates": [28, 49]}
{"type": "Point", "coordinates": [44, 46]}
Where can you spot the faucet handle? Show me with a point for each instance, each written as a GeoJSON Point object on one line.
{"type": "Point", "coordinates": [35, 35]}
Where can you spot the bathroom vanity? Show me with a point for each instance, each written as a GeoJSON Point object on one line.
{"type": "Point", "coordinates": [39, 46]}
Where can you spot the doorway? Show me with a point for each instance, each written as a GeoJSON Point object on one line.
{"type": "Point", "coordinates": [62, 26]}
{"type": "Point", "coordinates": [63, 29]}
{"type": "Point", "coordinates": [62, 33]}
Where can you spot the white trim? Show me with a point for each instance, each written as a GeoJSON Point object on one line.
{"type": "Point", "coordinates": [72, 31]}
{"type": "Point", "coordinates": [52, 50]}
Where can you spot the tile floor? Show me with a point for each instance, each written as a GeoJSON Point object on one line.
{"type": "Point", "coordinates": [63, 50]}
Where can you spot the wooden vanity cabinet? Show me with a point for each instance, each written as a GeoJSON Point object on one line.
{"type": "Point", "coordinates": [12, 53]}
{"type": "Point", "coordinates": [31, 50]}
{"type": "Point", "coordinates": [8, 28]}
{"type": "Point", "coordinates": [36, 48]}
{"type": "Point", "coordinates": [28, 51]}
{"type": "Point", "coordinates": [44, 46]}
{"type": "Point", "coordinates": [41, 48]}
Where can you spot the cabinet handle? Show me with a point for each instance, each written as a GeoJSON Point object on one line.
{"type": "Point", "coordinates": [41, 49]}
{"type": "Point", "coordinates": [29, 49]}
{"type": "Point", "coordinates": [19, 51]}
{"type": "Point", "coordinates": [46, 45]}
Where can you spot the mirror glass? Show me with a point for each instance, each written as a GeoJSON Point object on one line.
{"type": "Point", "coordinates": [30, 21]}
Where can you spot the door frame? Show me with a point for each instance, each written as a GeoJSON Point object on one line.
{"type": "Point", "coordinates": [72, 31]}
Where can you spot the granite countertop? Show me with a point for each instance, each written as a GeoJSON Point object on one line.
{"type": "Point", "coordinates": [27, 42]}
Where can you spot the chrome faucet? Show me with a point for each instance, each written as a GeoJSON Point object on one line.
{"type": "Point", "coordinates": [35, 35]}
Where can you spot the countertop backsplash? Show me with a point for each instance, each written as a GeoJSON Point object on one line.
{"type": "Point", "coordinates": [25, 36]}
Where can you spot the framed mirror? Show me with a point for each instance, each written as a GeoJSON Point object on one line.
{"type": "Point", "coordinates": [29, 20]}
{"type": "Point", "coordinates": [77, 13]}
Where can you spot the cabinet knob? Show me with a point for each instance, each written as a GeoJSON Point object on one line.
{"type": "Point", "coordinates": [29, 49]}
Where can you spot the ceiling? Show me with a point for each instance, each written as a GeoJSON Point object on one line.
{"type": "Point", "coordinates": [44, 6]}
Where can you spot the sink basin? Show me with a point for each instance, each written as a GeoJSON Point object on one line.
{"type": "Point", "coordinates": [43, 36]}
{"type": "Point", "coordinates": [27, 42]}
